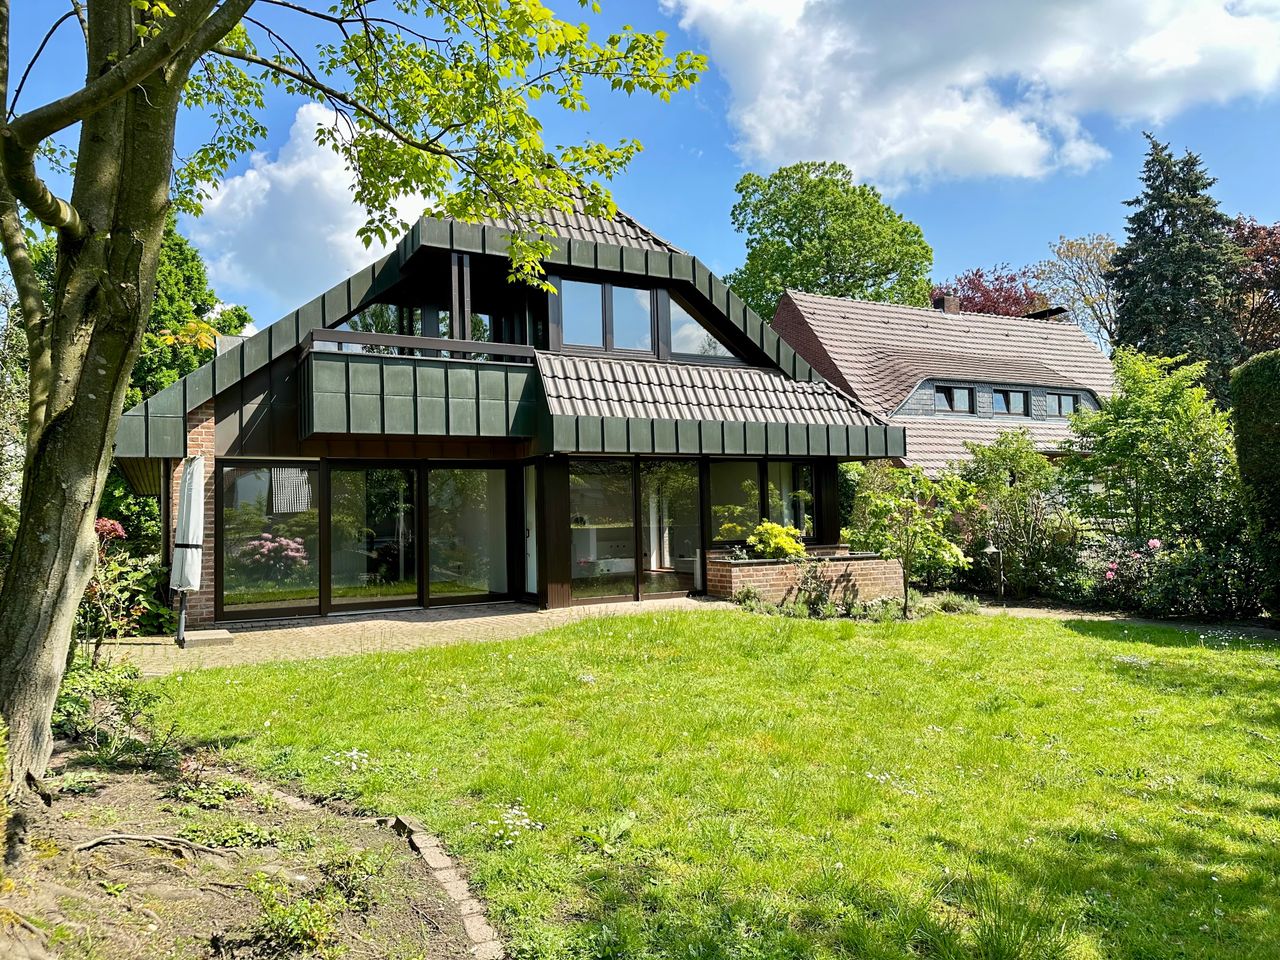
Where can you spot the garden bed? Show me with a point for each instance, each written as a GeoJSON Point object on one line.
{"type": "Point", "coordinates": [847, 576]}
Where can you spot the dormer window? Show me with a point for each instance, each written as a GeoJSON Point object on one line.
{"type": "Point", "coordinates": [953, 399]}
{"type": "Point", "coordinates": [1061, 404]}
{"type": "Point", "coordinates": [1010, 403]}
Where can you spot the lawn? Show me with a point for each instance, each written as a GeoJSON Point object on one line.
{"type": "Point", "coordinates": [706, 785]}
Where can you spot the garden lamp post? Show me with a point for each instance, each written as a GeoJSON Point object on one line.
{"type": "Point", "coordinates": [997, 557]}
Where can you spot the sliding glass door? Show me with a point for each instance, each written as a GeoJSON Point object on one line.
{"type": "Point", "coordinates": [602, 530]}
{"type": "Point", "coordinates": [466, 535]}
{"type": "Point", "coordinates": [670, 527]}
{"type": "Point", "coordinates": [373, 557]}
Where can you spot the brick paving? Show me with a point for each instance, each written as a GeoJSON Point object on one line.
{"type": "Point", "coordinates": [372, 632]}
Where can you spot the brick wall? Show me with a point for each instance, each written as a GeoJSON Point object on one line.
{"type": "Point", "coordinates": [851, 576]}
{"type": "Point", "coordinates": [199, 444]}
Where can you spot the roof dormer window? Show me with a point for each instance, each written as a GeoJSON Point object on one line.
{"type": "Point", "coordinates": [952, 399]}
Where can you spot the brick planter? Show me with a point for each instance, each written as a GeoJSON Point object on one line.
{"type": "Point", "coordinates": [851, 576]}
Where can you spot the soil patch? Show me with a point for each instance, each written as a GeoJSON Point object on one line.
{"type": "Point", "coordinates": [211, 866]}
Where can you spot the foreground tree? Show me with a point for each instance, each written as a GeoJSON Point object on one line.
{"type": "Point", "coordinates": [1001, 290]}
{"type": "Point", "coordinates": [1075, 277]}
{"type": "Point", "coordinates": [1255, 413]}
{"type": "Point", "coordinates": [429, 97]}
{"type": "Point", "coordinates": [810, 227]}
{"type": "Point", "coordinates": [1174, 274]}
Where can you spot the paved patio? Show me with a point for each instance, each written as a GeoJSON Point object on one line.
{"type": "Point", "coordinates": [369, 632]}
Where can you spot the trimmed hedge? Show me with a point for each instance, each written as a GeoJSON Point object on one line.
{"type": "Point", "coordinates": [1255, 412]}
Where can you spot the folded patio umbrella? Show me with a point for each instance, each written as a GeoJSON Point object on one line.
{"type": "Point", "coordinates": [188, 545]}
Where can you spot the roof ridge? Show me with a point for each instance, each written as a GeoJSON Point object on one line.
{"type": "Point", "coordinates": [931, 311]}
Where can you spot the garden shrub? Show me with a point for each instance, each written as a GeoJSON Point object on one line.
{"type": "Point", "coordinates": [1255, 412]}
{"type": "Point", "coordinates": [107, 708]}
{"type": "Point", "coordinates": [123, 598]}
{"type": "Point", "coordinates": [773, 541]}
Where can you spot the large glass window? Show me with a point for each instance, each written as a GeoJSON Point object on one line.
{"type": "Point", "coordinates": [735, 499]}
{"type": "Point", "coordinates": [270, 539]}
{"type": "Point", "coordinates": [632, 319]}
{"type": "Point", "coordinates": [582, 313]}
{"type": "Point", "coordinates": [670, 526]}
{"type": "Point", "coordinates": [467, 534]}
{"type": "Point", "coordinates": [602, 529]}
{"type": "Point", "coordinates": [690, 337]}
{"type": "Point", "coordinates": [791, 495]}
{"type": "Point", "coordinates": [372, 544]}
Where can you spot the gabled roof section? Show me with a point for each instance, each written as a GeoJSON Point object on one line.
{"type": "Point", "coordinates": [622, 230]}
{"type": "Point", "coordinates": [883, 351]}
{"type": "Point", "coordinates": [599, 387]}
{"type": "Point", "coordinates": [156, 427]}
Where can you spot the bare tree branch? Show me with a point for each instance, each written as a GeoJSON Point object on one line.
{"type": "Point", "coordinates": [364, 18]}
{"type": "Point", "coordinates": [17, 92]}
{"type": "Point", "coordinates": [77, 8]}
{"type": "Point", "coordinates": [337, 96]}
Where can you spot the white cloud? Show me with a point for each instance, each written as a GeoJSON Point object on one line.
{"type": "Point", "coordinates": [913, 90]}
{"type": "Point", "coordinates": [285, 229]}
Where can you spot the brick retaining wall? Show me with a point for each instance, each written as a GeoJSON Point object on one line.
{"type": "Point", "coordinates": [851, 576]}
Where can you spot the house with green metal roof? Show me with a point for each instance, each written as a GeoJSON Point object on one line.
{"type": "Point", "coordinates": [427, 433]}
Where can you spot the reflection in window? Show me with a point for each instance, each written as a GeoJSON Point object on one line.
{"type": "Point", "coordinates": [1009, 403]}
{"type": "Point", "coordinates": [632, 323]}
{"type": "Point", "coordinates": [270, 536]}
{"type": "Point", "coordinates": [791, 495]}
{"type": "Point", "coordinates": [602, 528]}
{"type": "Point", "coordinates": [582, 313]}
{"type": "Point", "coordinates": [953, 399]}
{"type": "Point", "coordinates": [372, 555]}
{"type": "Point", "coordinates": [1060, 404]}
{"type": "Point", "coordinates": [690, 337]}
{"type": "Point", "coordinates": [670, 526]}
{"type": "Point", "coordinates": [467, 534]}
{"type": "Point", "coordinates": [735, 499]}
{"type": "Point", "coordinates": [378, 318]}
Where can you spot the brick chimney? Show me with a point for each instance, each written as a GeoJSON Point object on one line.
{"type": "Point", "coordinates": [947, 303]}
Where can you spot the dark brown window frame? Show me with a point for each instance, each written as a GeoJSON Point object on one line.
{"type": "Point", "coordinates": [1060, 396]}
{"type": "Point", "coordinates": [560, 345]}
{"type": "Point", "coordinates": [951, 390]}
{"type": "Point", "coordinates": [1008, 411]}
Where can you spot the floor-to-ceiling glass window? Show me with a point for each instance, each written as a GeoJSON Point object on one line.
{"type": "Point", "coordinates": [466, 534]}
{"type": "Point", "coordinates": [372, 543]}
{"type": "Point", "coordinates": [735, 498]}
{"type": "Point", "coordinates": [791, 495]}
{"type": "Point", "coordinates": [670, 526]}
{"type": "Point", "coordinates": [602, 528]}
{"type": "Point", "coordinates": [270, 536]}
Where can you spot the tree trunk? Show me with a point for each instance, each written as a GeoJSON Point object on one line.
{"type": "Point", "coordinates": [98, 305]}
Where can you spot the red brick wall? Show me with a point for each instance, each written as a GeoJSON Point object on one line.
{"type": "Point", "coordinates": [850, 577]}
{"type": "Point", "coordinates": [789, 323]}
{"type": "Point", "coordinates": [199, 444]}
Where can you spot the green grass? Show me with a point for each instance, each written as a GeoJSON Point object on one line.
{"type": "Point", "coordinates": [722, 785]}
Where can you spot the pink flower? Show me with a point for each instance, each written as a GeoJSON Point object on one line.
{"type": "Point", "coordinates": [1154, 544]}
{"type": "Point", "coordinates": [1135, 554]}
{"type": "Point", "coordinates": [108, 530]}
{"type": "Point", "coordinates": [1114, 565]}
{"type": "Point", "coordinates": [1111, 574]}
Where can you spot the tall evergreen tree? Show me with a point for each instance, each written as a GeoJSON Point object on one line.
{"type": "Point", "coordinates": [1173, 275]}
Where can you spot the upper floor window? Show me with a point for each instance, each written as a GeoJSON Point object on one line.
{"type": "Point", "coordinates": [1011, 403]}
{"type": "Point", "coordinates": [1061, 404]}
{"type": "Point", "coordinates": [632, 317]}
{"type": "Point", "coordinates": [582, 313]}
{"type": "Point", "coordinates": [690, 338]}
{"type": "Point", "coordinates": [953, 399]}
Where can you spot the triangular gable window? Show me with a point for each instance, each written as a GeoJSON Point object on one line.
{"type": "Point", "coordinates": [691, 337]}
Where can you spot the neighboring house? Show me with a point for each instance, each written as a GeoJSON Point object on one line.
{"type": "Point", "coordinates": [428, 433]}
{"type": "Point", "coordinates": [948, 376]}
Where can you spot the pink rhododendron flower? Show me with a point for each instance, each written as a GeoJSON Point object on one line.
{"type": "Point", "coordinates": [1154, 544]}
{"type": "Point", "coordinates": [108, 530]}
{"type": "Point", "coordinates": [1114, 565]}
{"type": "Point", "coordinates": [1111, 574]}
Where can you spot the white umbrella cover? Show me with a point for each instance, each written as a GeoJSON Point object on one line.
{"type": "Point", "coordinates": [188, 540]}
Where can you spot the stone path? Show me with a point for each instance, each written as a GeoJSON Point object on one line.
{"type": "Point", "coordinates": [369, 632]}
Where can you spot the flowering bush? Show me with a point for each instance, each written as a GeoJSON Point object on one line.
{"type": "Point", "coordinates": [124, 597]}
{"type": "Point", "coordinates": [773, 541]}
{"type": "Point", "coordinates": [276, 556]}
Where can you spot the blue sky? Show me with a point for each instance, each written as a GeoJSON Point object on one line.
{"type": "Point", "coordinates": [996, 127]}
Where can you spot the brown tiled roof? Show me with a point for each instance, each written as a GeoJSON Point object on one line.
{"type": "Point", "coordinates": [623, 230]}
{"type": "Point", "coordinates": [600, 387]}
{"type": "Point", "coordinates": [881, 351]}
{"type": "Point", "coordinates": [933, 442]}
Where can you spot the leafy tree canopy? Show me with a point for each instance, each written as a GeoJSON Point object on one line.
{"type": "Point", "coordinates": [1174, 273]}
{"type": "Point", "coordinates": [1075, 277]}
{"type": "Point", "coordinates": [810, 227]}
{"type": "Point", "coordinates": [1001, 290]}
{"type": "Point", "coordinates": [1257, 290]}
